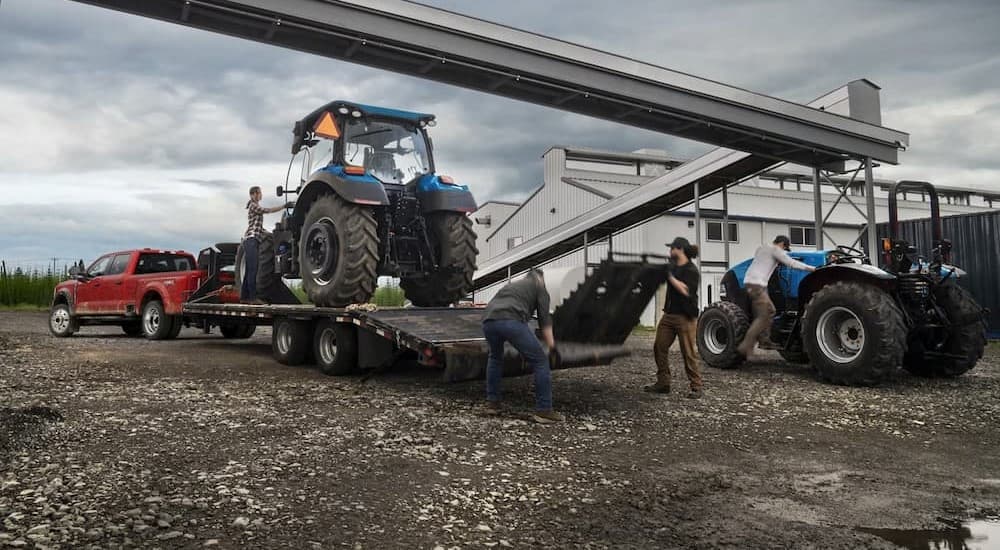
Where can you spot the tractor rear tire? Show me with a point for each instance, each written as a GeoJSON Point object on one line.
{"type": "Point", "coordinates": [338, 253]}
{"type": "Point", "coordinates": [854, 334]}
{"type": "Point", "coordinates": [721, 328]}
{"type": "Point", "coordinates": [454, 243]}
{"type": "Point", "coordinates": [968, 336]}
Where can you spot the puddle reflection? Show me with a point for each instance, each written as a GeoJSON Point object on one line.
{"type": "Point", "coordinates": [973, 535]}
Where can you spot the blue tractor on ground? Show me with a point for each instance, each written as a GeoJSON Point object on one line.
{"type": "Point", "coordinates": [855, 323]}
{"type": "Point", "coordinates": [369, 204]}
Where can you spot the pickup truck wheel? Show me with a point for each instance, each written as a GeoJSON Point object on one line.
{"type": "Point", "coordinates": [132, 328]}
{"type": "Point", "coordinates": [61, 322]}
{"type": "Point", "coordinates": [291, 341]}
{"type": "Point", "coordinates": [156, 324]}
{"type": "Point", "coordinates": [335, 346]}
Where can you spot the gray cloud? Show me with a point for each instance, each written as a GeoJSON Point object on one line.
{"type": "Point", "coordinates": [85, 91]}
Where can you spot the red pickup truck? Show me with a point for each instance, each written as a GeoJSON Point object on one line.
{"type": "Point", "coordinates": [143, 291]}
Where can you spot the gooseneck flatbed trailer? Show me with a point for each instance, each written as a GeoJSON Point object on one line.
{"type": "Point", "coordinates": [591, 325]}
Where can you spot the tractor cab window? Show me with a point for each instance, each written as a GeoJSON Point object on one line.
{"type": "Point", "coordinates": [392, 152]}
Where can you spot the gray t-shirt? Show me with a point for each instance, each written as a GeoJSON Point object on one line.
{"type": "Point", "coordinates": [518, 301]}
{"type": "Point", "coordinates": [765, 260]}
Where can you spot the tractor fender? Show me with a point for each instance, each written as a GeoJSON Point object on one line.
{"type": "Point", "coordinates": [457, 200]}
{"type": "Point", "coordinates": [364, 190]}
{"type": "Point", "coordinates": [861, 273]}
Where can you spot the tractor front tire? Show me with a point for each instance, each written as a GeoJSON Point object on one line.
{"type": "Point", "coordinates": [454, 243]}
{"type": "Point", "coordinates": [967, 338]}
{"type": "Point", "coordinates": [338, 253]}
{"type": "Point", "coordinates": [721, 328]}
{"type": "Point", "coordinates": [265, 267]}
{"type": "Point", "coordinates": [854, 334]}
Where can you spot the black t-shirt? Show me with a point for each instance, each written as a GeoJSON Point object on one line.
{"type": "Point", "coordinates": [677, 303]}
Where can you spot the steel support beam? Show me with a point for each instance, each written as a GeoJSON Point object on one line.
{"type": "Point", "coordinates": [873, 250]}
{"type": "Point", "coordinates": [818, 209]}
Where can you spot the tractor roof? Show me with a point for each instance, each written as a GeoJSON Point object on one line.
{"type": "Point", "coordinates": [366, 110]}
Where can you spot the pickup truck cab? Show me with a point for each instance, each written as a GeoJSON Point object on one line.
{"type": "Point", "coordinates": [143, 291]}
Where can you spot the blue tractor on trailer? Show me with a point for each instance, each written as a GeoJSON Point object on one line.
{"type": "Point", "coordinates": [374, 206]}
{"type": "Point", "coordinates": [854, 322]}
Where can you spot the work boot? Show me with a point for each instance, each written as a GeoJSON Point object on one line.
{"type": "Point", "coordinates": [491, 408]}
{"type": "Point", "coordinates": [694, 394]}
{"type": "Point", "coordinates": [656, 388]}
{"type": "Point", "coordinates": [547, 417]}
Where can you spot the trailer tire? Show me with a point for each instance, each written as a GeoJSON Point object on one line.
{"type": "Point", "coordinates": [156, 324]}
{"type": "Point", "coordinates": [62, 324]}
{"type": "Point", "coordinates": [454, 243]}
{"type": "Point", "coordinates": [854, 334]}
{"type": "Point", "coordinates": [967, 339]}
{"type": "Point", "coordinates": [721, 328]}
{"type": "Point", "coordinates": [132, 328]}
{"type": "Point", "coordinates": [291, 341]}
{"type": "Point", "coordinates": [237, 331]}
{"type": "Point", "coordinates": [335, 346]}
{"type": "Point", "coordinates": [338, 253]}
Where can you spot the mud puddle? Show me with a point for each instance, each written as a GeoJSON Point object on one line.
{"type": "Point", "coordinates": [972, 535]}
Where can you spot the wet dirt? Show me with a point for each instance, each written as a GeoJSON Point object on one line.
{"type": "Point", "coordinates": [971, 535]}
{"type": "Point", "coordinates": [206, 441]}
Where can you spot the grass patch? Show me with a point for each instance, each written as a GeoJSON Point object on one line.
{"type": "Point", "coordinates": [385, 296]}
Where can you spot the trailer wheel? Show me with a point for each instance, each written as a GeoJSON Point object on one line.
{"type": "Point", "coordinates": [290, 341]}
{"type": "Point", "coordinates": [132, 328]}
{"type": "Point", "coordinates": [454, 243]}
{"type": "Point", "coordinates": [336, 348]}
{"type": "Point", "coordinates": [237, 331]}
{"type": "Point", "coordinates": [721, 328]}
{"type": "Point", "coordinates": [854, 334]}
{"type": "Point", "coordinates": [966, 341]}
{"type": "Point", "coordinates": [61, 321]}
{"type": "Point", "coordinates": [156, 324]}
{"type": "Point", "coordinates": [338, 253]}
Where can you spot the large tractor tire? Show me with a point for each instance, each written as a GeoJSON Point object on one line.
{"type": "Point", "coordinates": [265, 267]}
{"type": "Point", "coordinates": [338, 253]}
{"type": "Point", "coordinates": [854, 334]}
{"type": "Point", "coordinates": [454, 243]}
{"type": "Point", "coordinates": [721, 328]}
{"type": "Point", "coordinates": [966, 340]}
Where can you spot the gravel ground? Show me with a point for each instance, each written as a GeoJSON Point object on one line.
{"type": "Point", "coordinates": [108, 441]}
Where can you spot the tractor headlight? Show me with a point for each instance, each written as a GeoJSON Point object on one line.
{"type": "Point", "coordinates": [356, 114]}
{"type": "Point", "coordinates": [343, 110]}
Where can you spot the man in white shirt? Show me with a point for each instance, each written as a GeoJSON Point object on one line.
{"type": "Point", "coordinates": [765, 260]}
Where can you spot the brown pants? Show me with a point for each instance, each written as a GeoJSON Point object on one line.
{"type": "Point", "coordinates": [684, 329]}
{"type": "Point", "coordinates": [763, 318]}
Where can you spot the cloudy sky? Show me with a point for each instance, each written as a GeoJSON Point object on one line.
{"type": "Point", "coordinates": [118, 131]}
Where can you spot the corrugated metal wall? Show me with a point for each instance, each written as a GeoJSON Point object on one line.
{"type": "Point", "coordinates": [975, 242]}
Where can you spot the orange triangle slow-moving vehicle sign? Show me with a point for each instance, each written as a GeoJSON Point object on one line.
{"type": "Point", "coordinates": [326, 127]}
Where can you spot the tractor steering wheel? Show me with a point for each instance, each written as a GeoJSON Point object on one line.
{"type": "Point", "coordinates": [847, 254]}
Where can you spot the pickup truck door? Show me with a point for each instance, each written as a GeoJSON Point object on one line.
{"type": "Point", "coordinates": [89, 287]}
{"type": "Point", "coordinates": [111, 293]}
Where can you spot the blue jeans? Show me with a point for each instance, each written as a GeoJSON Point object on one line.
{"type": "Point", "coordinates": [248, 290]}
{"type": "Point", "coordinates": [524, 341]}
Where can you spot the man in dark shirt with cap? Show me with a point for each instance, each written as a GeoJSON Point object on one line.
{"type": "Point", "coordinates": [506, 320]}
{"type": "Point", "coordinates": [680, 319]}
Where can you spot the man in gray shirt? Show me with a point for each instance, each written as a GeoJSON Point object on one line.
{"type": "Point", "coordinates": [506, 320]}
{"type": "Point", "coordinates": [765, 260]}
